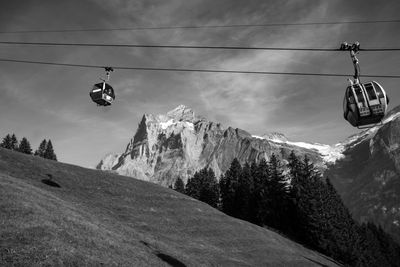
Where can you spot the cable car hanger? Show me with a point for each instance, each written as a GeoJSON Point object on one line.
{"type": "Point", "coordinates": [364, 104]}
{"type": "Point", "coordinates": [108, 71]}
{"type": "Point", "coordinates": [354, 49]}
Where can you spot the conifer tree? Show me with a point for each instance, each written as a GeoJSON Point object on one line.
{"type": "Point", "coordinates": [260, 194]}
{"type": "Point", "coordinates": [14, 142]}
{"type": "Point", "coordinates": [204, 187]}
{"type": "Point", "coordinates": [278, 196]}
{"type": "Point", "coordinates": [25, 146]}
{"type": "Point", "coordinates": [179, 186]}
{"type": "Point", "coordinates": [49, 152]}
{"type": "Point", "coordinates": [244, 192]}
{"type": "Point", "coordinates": [41, 149]}
{"type": "Point", "coordinates": [229, 185]}
{"type": "Point", "coordinates": [253, 199]}
{"type": "Point", "coordinates": [6, 143]}
{"type": "Point", "coordinates": [193, 186]}
{"type": "Point", "coordinates": [294, 165]}
{"type": "Point", "coordinates": [209, 192]}
{"type": "Point", "coordinates": [307, 195]}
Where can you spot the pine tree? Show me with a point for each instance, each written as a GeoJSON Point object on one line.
{"type": "Point", "coordinates": [229, 185]}
{"type": "Point", "coordinates": [260, 194]}
{"type": "Point", "coordinates": [209, 192]}
{"type": "Point", "coordinates": [49, 152]}
{"type": "Point", "coordinates": [244, 192]}
{"type": "Point", "coordinates": [41, 149]}
{"type": "Point", "coordinates": [341, 233]}
{"type": "Point", "coordinates": [179, 186]}
{"type": "Point", "coordinates": [294, 165]}
{"type": "Point", "coordinates": [14, 142]}
{"type": "Point", "coordinates": [307, 192]}
{"type": "Point", "coordinates": [6, 143]}
{"type": "Point", "coordinates": [193, 186]}
{"type": "Point", "coordinates": [253, 198]}
{"type": "Point", "coordinates": [25, 146]}
{"type": "Point", "coordinates": [278, 196]}
{"type": "Point", "coordinates": [204, 187]}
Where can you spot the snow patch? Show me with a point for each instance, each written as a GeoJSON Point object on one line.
{"type": "Point", "coordinates": [329, 153]}
{"type": "Point", "coordinates": [391, 117]}
{"type": "Point", "coordinates": [171, 122]}
{"type": "Point", "coordinates": [165, 125]}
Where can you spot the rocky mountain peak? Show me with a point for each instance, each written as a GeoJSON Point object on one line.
{"type": "Point", "coordinates": [178, 143]}
{"type": "Point", "coordinates": [275, 136]}
{"type": "Point", "coordinates": [181, 113]}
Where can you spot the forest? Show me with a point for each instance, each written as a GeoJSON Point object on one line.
{"type": "Point", "coordinates": [297, 202]}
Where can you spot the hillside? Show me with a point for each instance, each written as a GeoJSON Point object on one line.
{"type": "Point", "coordinates": [368, 176]}
{"type": "Point", "coordinates": [89, 217]}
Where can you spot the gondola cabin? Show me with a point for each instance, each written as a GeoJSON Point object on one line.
{"type": "Point", "coordinates": [365, 104]}
{"type": "Point", "coordinates": [102, 94]}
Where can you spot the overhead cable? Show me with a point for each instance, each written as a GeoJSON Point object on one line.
{"type": "Point", "coordinates": [191, 46]}
{"type": "Point", "coordinates": [196, 70]}
{"type": "Point", "coordinates": [139, 28]}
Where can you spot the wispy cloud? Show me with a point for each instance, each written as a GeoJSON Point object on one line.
{"type": "Point", "coordinates": [45, 101]}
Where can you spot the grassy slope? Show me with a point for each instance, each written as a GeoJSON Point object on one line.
{"type": "Point", "coordinates": [97, 218]}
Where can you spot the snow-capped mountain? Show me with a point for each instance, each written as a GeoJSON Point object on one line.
{"type": "Point", "coordinates": [179, 143]}
{"type": "Point", "coordinates": [364, 168]}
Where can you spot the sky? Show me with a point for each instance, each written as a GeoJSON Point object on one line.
{"type": "Point", "coordinates": [52, 102]}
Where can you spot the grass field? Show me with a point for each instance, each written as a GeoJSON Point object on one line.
{"type": "Point", "coordinates": [55, 214]}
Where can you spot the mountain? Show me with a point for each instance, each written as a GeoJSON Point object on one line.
{"type": "Point", "coordinates": [55, 214]}
{"type": "Point", "coordinates": [368, 175]}
{"type": "Point", "coordinates": [179, 143]}
{"type": "Point", "coordinates": [364, 168]}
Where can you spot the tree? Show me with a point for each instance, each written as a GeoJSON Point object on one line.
{"type": "Point", "coordinates": [278, 196]}
{"type": "Point", "coordinates": [243, 193]}
{"type": "Point", "coordinates": [49, 152]}
{"type": "Point", "coordinates": [193, 186]}
{"type": "Point", "coordinates": [229, 185]}
{"type": "Point", "coordinates": [25, 146]}
{"type": "Point", "coordinates": [179, 186]}
{"type": "Point", "coordinates": [209, 192]}
{"type": "Point", "coordinates": [41, 149]}
{"type": "Point", "coordinates": [6, 143]}
{"type": "Point", "coordinates": [204, 187]}
{"type": "Point", "coordinates": [14, 142]}
{"type": "Point", "coordinates": [260, 180]}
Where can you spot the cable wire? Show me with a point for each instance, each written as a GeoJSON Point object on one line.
{"type": "Point", "coordinates": [191, 46]}
{"type": "Point", "coordinates": [203, 26]}
{"type": "Point", "coordinates": [197, 70]}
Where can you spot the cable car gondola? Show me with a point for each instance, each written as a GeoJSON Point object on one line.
{"type": "Point", "coordinates": [364, 104]}
{"type": "Point", "coordinates": [103, 93]}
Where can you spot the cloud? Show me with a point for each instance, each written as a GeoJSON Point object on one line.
{"type": "Point", "coordinates": [47, 101]}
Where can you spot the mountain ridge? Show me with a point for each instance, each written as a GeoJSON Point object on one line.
{"type": "Point", "coordinates": [195, 143]}
{"type": "Point", "coordinates": [179, 143]}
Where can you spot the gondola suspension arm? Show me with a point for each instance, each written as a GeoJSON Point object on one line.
{"type": "Point", "coordinates": [108, 71]}
{"type": "Point", "coordinates": [354, 49]}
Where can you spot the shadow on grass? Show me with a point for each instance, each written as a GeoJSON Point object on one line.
{"type": "Point", "coordinates": [170, 260]}
{"type": "Point", "coordinates": [50, 183]}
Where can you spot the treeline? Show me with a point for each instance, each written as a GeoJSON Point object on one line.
{"type": "Point", "coordinates": [45, 149]}
{"type": "Point", "coordinates": [299, 203]}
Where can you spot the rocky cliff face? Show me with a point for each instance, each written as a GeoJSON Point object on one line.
{"type": "Point", "coordinates": [179, 143]}
{"type": "Point", "coordinates": [368, 176]}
